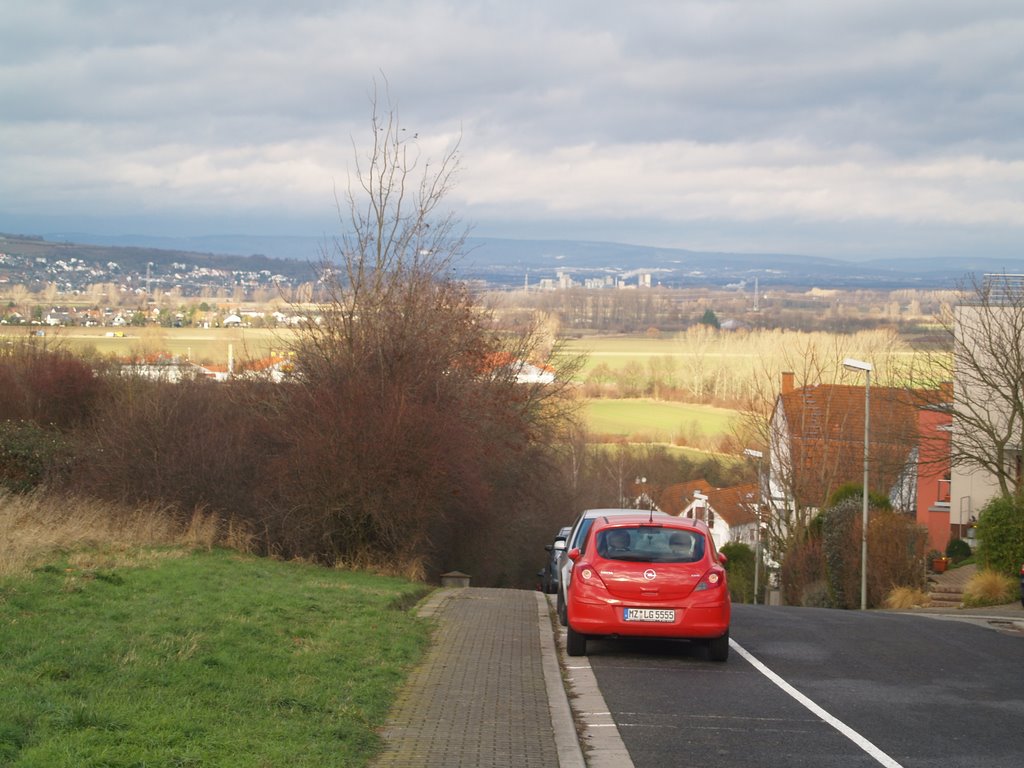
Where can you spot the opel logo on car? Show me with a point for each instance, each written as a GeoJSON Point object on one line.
{"type": "Point", "coordinates": [649, 574]}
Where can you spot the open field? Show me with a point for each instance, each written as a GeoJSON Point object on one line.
{"type": "Point", "coordinates": [202, 345]}
{"type": "Point", "coordinates": [658, 421]}
{"type": "Point", "coordinates": [619, 351]}
{"type": "Point", "coordinates": [768, 349]}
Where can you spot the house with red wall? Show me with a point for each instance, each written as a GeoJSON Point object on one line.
{"type": "Point", "coordinates": [933, 476]}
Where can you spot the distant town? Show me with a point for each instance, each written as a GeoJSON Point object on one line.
{"type": "Point", "coordinates": [39, 266]}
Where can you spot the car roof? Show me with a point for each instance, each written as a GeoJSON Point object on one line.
{"type": "Point", "coordinates": [682, 523]}
{"type": "Point", "coordinates": [621, 511]}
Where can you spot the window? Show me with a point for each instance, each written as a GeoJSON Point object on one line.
{"type": "Point", "coordinates": [650, 544]}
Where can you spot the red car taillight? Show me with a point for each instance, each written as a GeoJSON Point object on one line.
{"type": "Point", "coordinates": [713, 579]}
{"type": "Point", "coordinates": [586, 573]}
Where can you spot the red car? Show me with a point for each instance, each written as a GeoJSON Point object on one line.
{"type": "Point", "coordinates": [648, 576]}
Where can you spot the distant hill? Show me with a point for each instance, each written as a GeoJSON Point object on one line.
{"type": "Point", "coordinates": [504, 260]}
{"type": "Point", "coordinates": [511, 263]}
{"type": "Point", "coordinates": [74, 266]}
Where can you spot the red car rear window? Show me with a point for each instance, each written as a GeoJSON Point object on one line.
{"type": "Point", "coordinates": [650, 544]}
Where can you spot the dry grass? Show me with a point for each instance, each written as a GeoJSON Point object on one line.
{"type": "Point", "coordinates": [989, 588]}
{"type": "Point", "coordinates": [902, 598]}
{"type": "Point", "coordinates": [410, 567]}
{"type": "Point", "coordinates": [34, 526]}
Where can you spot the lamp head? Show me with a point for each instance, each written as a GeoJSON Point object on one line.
{"type": "Point", "coordinates": [852, 364]}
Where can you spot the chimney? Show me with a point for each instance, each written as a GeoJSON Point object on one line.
{"type": "Point", "coordinates": [946, 390]}
{"type": "Point", "coordinates": [787, 382]}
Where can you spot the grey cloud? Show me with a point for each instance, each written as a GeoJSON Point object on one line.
{"type": "Point", "coordinates": [132, 101]}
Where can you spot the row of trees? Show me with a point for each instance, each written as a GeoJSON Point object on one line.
{"type": "Point", "coordinates": [676, 309]}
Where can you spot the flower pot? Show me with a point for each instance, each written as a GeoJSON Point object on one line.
{"type": "Point", "coordinates": [939, 564]}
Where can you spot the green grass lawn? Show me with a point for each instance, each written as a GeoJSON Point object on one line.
{"type": "Point", "coordinates": [209, 659]}
{"type": "Point", "coordinates": [661, 420]}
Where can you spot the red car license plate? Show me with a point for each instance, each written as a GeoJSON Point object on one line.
{"type": "Point", "coordinates": [648, 614]}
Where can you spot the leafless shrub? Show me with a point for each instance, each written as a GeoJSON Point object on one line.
{"type": "Point", "coordinates": [803, 567]}
{"type": "Point", "coordinates": [896, 551]}
{"type": "Point", "coordinates": [193, 443]}
{"type": "Point", "coordinates": [48, 386]}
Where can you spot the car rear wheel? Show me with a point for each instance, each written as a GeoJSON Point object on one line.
{"type": "Point", "coordinates": [718, 648]}
{"type": "Point", "coordinates": [563, 617]}
{"type": "Point", "coordinates": [575, 643]}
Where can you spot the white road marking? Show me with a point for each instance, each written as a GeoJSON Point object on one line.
{"type": "Point", "coordinates": [839, 725]}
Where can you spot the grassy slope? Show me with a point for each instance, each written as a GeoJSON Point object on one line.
{"type": "Point", "coordinates": [211, 659]}
{"type": "Point", "coordinates": [661, 420]}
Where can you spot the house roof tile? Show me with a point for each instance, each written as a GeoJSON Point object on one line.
{"type": "Point", "coordinates": [826, 435]}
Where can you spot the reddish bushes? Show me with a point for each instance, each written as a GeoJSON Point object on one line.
{"type": "Point", "coordinates": [48, 387]}
{"type": "Point", "coordinates": [824, 568]}
{"type": "Point", "coordinates": [194, 443]}
{"type": "Point", "coordinates": [394, 451]}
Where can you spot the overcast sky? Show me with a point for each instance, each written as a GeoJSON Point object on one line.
{"type": "Point", "coordinates": [849, 128]}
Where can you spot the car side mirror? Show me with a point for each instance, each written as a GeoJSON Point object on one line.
{"type": "Point", "coordinates": [722, 558]}
{"type": "Point", "coordinates": [548, 547]}
{"type": "Point", "coordinates": [560, 544]}
{"type": "Point", "coordinates": [574, 554]}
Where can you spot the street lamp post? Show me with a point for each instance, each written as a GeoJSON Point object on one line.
{"type": "Point", "coordinates": [760, 497]}
{"type": "Point", "coordinates": [859, 365]}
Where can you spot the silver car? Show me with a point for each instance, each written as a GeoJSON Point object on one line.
{"type": "Point", "coordinates": [577, 537]}
{"type": "Point", "coordinates": [549, 574]}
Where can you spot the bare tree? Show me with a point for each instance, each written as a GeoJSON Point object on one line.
{"type": "Point", "coordinates": [984, 359]}
{"type": "Point", "coordinates": [421, 422]}
{"type": "Point", "coordinates": [811, 439]}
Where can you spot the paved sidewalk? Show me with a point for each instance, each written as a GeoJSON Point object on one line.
{"type": "Point", "coordinates": [489, 692]}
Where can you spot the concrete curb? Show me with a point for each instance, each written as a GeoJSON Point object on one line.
{"type": "Point", "coordinates": [570, 755]}
{"type": "Point", "coordinates": [998, 623]}
{"type": "Point", "coordinates": [598, 734]}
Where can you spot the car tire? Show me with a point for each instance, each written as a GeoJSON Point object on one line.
{"type": "Point", "coordinates": [718, 648]}
{"type": "Point", "coordinates": [563, 617]}
{"type": "Point", "coordinates": [575, 643]}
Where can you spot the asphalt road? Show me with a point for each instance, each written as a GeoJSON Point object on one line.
{"type": "Point", "coordinates": [895, 689]}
